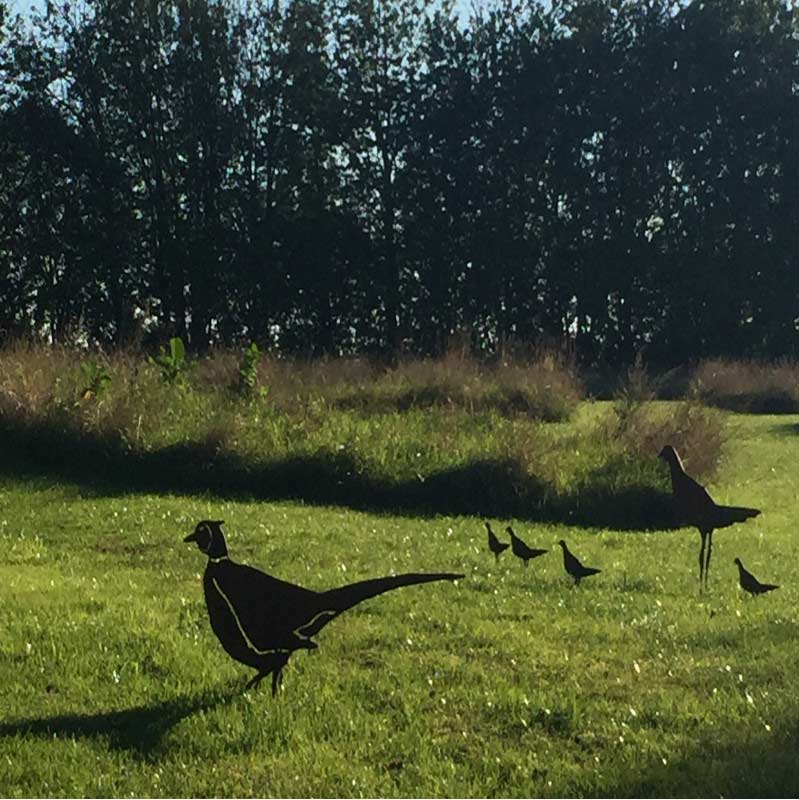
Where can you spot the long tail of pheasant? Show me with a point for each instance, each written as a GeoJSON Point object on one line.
{"type": "Point", "coordinates": [334, 601]}
{"type": "Point", "coordinates": [727, 515]}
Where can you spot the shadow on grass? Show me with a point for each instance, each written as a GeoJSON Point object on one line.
{"type": "Point", "coordinates": [136, 730]}
{"type": "Point", "coordinates": [501, 488]}
{"type": "Point", "coordinates": [763, 765]}
{"type": "Point", "coordinates": [775, 401]}
{"type": "Point", "coordinates": [786, 429]}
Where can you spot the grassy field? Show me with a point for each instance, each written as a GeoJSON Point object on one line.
{"type": "Point", "coordinates": [509, 683]}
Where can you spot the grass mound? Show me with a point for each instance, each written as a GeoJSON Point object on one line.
{"type": "Point", "coordinates": [428, 438]}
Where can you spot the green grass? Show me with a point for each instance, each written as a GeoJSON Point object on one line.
{"type": "Point", "coordinates": [509, 683]}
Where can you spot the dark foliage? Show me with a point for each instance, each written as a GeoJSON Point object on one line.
{"type": "Point", "coordinates": [377, 175]}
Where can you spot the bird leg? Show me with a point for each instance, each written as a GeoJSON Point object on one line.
{"type": "Point", "coordinates": [255, 681]}
{"type": "Point", "coordinates": [702, 559]}
{"type": "Point", "coordinates": [277, 679]}
{"type": "Point", "coordinates": [709, 551]}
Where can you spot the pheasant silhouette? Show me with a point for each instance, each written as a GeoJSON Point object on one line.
{"type": "Point", "coordinates": [574, 566]}
{"type": "Point", "coordinates": [520, 548]}
{"type": "Point", "coordinates": [749, 583]}
{"type": "Point", "coordinates": [260, 620]}
{"type": "Point", "coordinates": [494, 545]}
{"type": "Point", "coordinates": [694, 507]}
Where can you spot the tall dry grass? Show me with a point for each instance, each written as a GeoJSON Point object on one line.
{"type": "Point", "coordinates": [748, 386]}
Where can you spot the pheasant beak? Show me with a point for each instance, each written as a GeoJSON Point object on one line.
{"type": "Point", "coordinates": [192, 537]}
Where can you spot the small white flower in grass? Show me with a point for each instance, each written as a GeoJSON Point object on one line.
{"type": "Point", "coordinates": [767, 726]}
{"type": "Point", "coordinates": [633, 712]}
{"type": "Point", "coordinates": [28, 647]}
{"type": "Point", "coordinates": [115, 676]}
{"type": "Point", "coordinates": [665, 761]}
{"type": "Point", "coordinates": [749, 698]}
{"type": "Point", "coordinates": [636, 667]}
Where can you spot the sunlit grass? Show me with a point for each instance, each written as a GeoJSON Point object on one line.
{"type": "Point", "coordinates": [509, 683]}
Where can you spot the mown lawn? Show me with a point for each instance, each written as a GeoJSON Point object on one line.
{"type": "Point", "coordinates": [509, 683]}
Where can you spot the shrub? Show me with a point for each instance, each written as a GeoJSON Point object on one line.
{"type": "Point", "coordinates": [748, 386]}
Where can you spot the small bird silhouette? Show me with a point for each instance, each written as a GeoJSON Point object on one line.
{"type": "Point", "coordinates": [521, 550]}
{"type": "Point", "coordinates": [573, 566]}
{"type": "Point", "coordinates": [260, 620]}
{"type": "Point", "coordinates": [494, 545]}
{"type": "Point", "coordinates": [749, 583]}
{"type": "Point", "coordinates": [694, 507]}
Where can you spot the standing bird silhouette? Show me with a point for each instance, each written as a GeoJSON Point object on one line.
{"type": "Point", "coordinates": [260, 620]}
{"type": "Point", "coordinates": [520, 548]}
{"type": "Point", "coordinates": [494, 545]}
{"type": "Point", "coordinates": [749, 583]}
{"type": "Point", "coordinates": [574, 567]}
{"type": "Point", "coordinates": [694, 507]}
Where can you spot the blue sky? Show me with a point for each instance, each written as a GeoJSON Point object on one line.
{"type": "Point", "coordinates": [23, 6]}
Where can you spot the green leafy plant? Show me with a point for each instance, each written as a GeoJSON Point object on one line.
{"type": "Point", "coordinates": [96, 380]}
{"type": "Point", "coordinates": [248, 372]}
{"type": "Point", "coordinates": [174, 365]}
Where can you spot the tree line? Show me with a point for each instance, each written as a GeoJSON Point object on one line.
{"type": "Point", "coordinates": [378, 176]}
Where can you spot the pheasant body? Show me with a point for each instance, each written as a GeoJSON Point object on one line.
{"type": "Point", "coordinates": [749, 583]}
{"type": "Point", "coordinates": [574, 566]}
{"type": "Point", "coordinates": [494, 544]}
{"type": "Point", "coordinates": [520, 548]}
{"type": "Point", "coordinates": [261, 620]}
